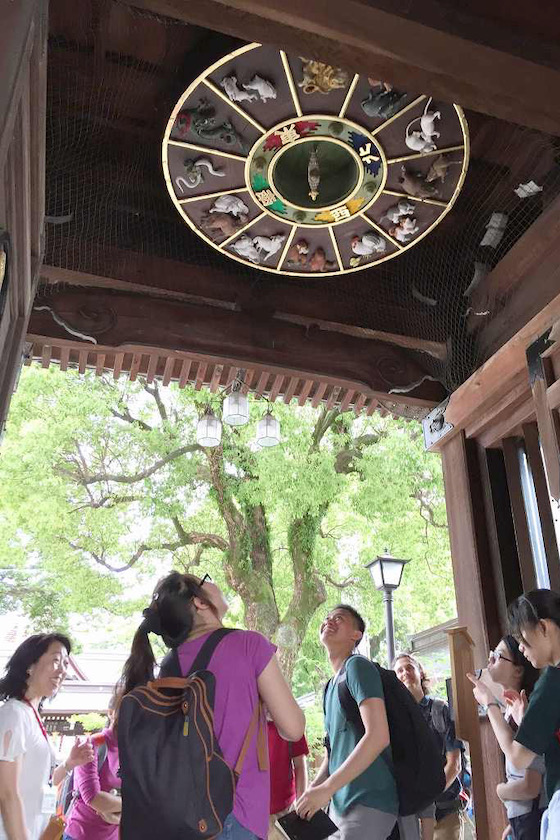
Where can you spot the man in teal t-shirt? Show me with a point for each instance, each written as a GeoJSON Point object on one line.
{"type": "Point", "coordinates": [354, 776]}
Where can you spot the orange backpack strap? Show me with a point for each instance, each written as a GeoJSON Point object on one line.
{"type": "Point", "coordinates": [257, 721]}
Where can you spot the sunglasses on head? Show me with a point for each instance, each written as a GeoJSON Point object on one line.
{"type": "Point", "coordinates": [205, 579]}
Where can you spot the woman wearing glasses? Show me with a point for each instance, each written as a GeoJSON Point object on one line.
{"type": "Point", "coordinates": [523, 793]}
{"type": "Point", "coordinates": [185, 611]}
{"type": "Point", "coordinates": [534, 620]}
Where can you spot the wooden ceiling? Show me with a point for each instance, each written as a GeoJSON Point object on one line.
{"type": "Point", "coordinates": [121, 267]}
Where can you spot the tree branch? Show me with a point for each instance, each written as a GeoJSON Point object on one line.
{"type": "Point", "coordinates": [426, 511]}
{"type": "Point", "coordinates": [85, 479]}
{"type": "Point", "coordinates": [127, 417]}
{"type": "Point", "coordinates": [341, 584]}
{"type": "Point", "coordinates": [106, 502]}
{"type": "Point", "coordinates": [154, 392]}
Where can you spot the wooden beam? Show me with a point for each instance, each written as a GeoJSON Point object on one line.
{"type": "Point", "coordinates": [386, 45]}
{"type": "Point", "coordinates": [524, 281]}
{"type": "Point", "coordinates": [239, 338]}
{"type": "Point", "coordinates": [492, 381]}
{"type": "Point", "coordinates": [131, 272]}
{"type": "Point", "coordinates": [541, 376]}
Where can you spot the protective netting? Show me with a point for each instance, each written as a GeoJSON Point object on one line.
{"type": "Point", "coordinates": [113, 81]}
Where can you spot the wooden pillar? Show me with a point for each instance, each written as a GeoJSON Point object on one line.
{"type": "Point", "coordinates": [23, 63]}
{"type": "Point", "coordinates": [476, 607]}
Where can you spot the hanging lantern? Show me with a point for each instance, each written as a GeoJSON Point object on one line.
{"type": "Point", "coordinates": [209, 429]}
{"type": "Point", "coordinates": [268, 430]}
{"type": "Point", "coordinates": [236, 409]}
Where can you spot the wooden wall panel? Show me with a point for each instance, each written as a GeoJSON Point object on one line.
{"type": "Point", "coordinates": [476, 603]}
{"type": "Point", "coordinates": [22, 142]}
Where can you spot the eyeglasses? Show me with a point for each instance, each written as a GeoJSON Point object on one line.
{"type": "Point", "coordinates": [205, 579]}
{"type": "Point", "coordinates": [495, 656]}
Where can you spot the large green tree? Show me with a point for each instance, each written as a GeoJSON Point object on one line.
{"type": "Point", "coordinates": [104, 488]}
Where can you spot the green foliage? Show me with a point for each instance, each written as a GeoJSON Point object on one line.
{"type": "Point", "coordinates": [97, 505]}
{"type": "Point", "coordinates": [91, 722]}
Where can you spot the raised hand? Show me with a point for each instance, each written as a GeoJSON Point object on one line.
{"type": "Point", "coordinates": [81, 753]}
{"type": "Point", "coordinates": [482, 694]}
{"type": "Point", "coordinates": [517, 703]}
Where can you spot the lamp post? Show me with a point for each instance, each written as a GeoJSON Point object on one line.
{"type": "Point", "coordinates": [386, 573]}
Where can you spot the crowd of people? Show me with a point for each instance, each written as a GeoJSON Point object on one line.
{"type": "Point", "coordinates": [215, 746]}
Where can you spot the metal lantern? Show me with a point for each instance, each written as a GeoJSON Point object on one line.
{"type": "Point", "coordinates": [268, 430]}
{"type": "Point", "coordinates": [236, 409]}
{"type": "Point", "coordinates": [386, 571]}
{"type": "Point", "coordinates": [209, 429]}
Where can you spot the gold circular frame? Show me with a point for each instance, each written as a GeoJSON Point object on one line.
{"type": "Point", "coordinates": [221, 247]}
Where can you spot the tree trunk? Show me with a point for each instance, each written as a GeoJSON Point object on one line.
{"type": "Point", "coordinates": [309, 590]}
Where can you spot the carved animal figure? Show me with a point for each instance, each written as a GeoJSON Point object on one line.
{"type": "Point", "coordinates": [382, 100]}
{"type": "Point", "coordinates": [368, 244]}
{"type": "Point", "coordinates": [221, 224]}
{"type": "Point", "coordinates": [321, 78]}
{"type": "Point", "coordinates": [230, 204]}
{"type": "Point", "coordinates": [202, 122]}
{"type": "Point", "coordinates": [403, 208]}
{"type": "Point", "coordinates": [244, 247]}
{"type": "Point", "coordinates": [319, 261]}
{"type": "Point", "coordinates": [234, 92]}
{"type": "Point", "coordinates": [265, 89]}
{"type": "Point", "coordinates": [194, 174]}
{"type": "Point", "coordinates": [422, 141]}
{"type": "Point", "coordinates": [438, 169]}
{"type": "Point", "coordinates": [313, 174]}
{"type": "Point", "coordinates": [405, 228]}
{"type": "Point", "coordinates": [414, 183]}
{"type": "Point", "coordinates": [297, 254]}
{"type": "Point", "coordinates": [269, 244]}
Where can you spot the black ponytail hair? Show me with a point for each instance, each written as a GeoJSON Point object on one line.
{"type": "Point", "coordinates": [170, 615]}
{"type": "Point", "coordinates": [532, 607]}
{"type": "Point", "coordinates": [14, 682]}
{"type": "Point", "coordinates": [530, 673]}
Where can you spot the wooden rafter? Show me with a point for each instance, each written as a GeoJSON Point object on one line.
{"type": "Point", "coordinates": [386, 45]}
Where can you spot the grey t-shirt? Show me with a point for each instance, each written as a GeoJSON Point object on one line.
{"type": "Point", "coordinates": [518, 807]}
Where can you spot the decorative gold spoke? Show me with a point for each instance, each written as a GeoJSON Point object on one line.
{"type": "Point", "coordinates": [349, 95]}
{"type": "Point", "coordinates": [397, 115]}
{"type": "Point", "coordinates": [435, 201]}
{"type": "Point", "coordinates": [184, 144]}
{"type": "Point", "coordinates": [291, 83]}
{"type": "Point", "coordinates": [241, 230]}
{"type": "Point", "coordinates": [335, 247]}
{"type": "Point", "coordinates": [418, 155]}
{"type": "Point", "coordinates": [217, 92]}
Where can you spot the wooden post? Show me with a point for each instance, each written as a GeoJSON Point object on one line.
{"type": "Point", "coordinates": [467, 727]}
{"type": "Point", "coordinates": [540, 377]}
{"type": "Point", "coordinates": [478, 612]}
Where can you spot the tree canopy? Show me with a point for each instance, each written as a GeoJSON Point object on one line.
{"type": "Point", "coordinates": [104, 489]}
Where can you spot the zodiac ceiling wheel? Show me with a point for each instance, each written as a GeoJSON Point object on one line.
{"type": "Point", "coordinates": [295, 167]}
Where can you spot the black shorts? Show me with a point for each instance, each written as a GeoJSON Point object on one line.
{"type": "Point", "coordinates": [527, 826]}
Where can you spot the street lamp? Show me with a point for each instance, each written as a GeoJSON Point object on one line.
{"type": "Point", "coordinates": [386, 573]}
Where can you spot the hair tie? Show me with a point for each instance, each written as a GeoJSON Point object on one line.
{"type": "Point", "coordinates": [151, 623]}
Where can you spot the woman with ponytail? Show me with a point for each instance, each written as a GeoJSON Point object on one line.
{"type": "Point", "coordinates": [185, 611]}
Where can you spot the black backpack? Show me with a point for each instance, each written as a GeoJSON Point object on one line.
{"type": "Point", "coordinates": [175, 782]}
{"type": "Point", "coordinates": [415, 754]}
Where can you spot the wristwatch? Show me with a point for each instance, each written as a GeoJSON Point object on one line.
{"type": "Point", "coordinates": [492, 703]}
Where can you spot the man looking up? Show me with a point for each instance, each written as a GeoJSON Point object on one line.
{"type": "Point", "coordinates": [354, 775]}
